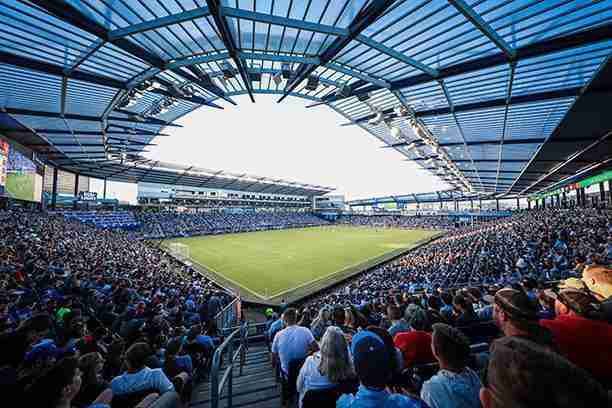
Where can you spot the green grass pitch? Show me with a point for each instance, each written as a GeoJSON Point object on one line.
{"type": "Point", "coordinates": [294, 262]}
{"type": "Point", "coordinates": [20, 186]}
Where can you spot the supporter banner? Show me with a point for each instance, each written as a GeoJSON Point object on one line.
{"type": "Point", "coordinates": [599, 178]}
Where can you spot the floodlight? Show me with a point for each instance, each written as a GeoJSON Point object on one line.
{"type": "Point", "coordinates": [395, 132]}
{"type": "Point", "coordinates": [189, 90]}
{"type": "Point", "coordinates": [313, 83]}
{"type": "Point", "coordinates": [255, 76]}
{"type": "Point", "coordinates": [378, 117]}
{"type": "Point", "coordinates": [401, 111]}
{"type": "Point", "coordinates": [178, 90]}
{"type": "Point", "coordinates": [344, 91]}
{"type": "Point", "coordinates": [286, 70]}
{"type": "Point", "coordinates": [277, 78]}
{"type": "Point", "coordinates": [228, 70]}
{"type": "Point", "coordinates": [363, 97]}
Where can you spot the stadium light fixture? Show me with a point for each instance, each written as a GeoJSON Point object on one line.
{"type": "Point", "coordinates": [277, 78]}
{"type": "Point", "coordinates": [312, 83]}
{"type": "Point", "coordinates": [344, 91]}
{"type": "Point", "coordinates": [286, 70]}
{"type": "Point", "coordinates": [395, 132]}
{"type": "Point", "coordinates": [228, 70]}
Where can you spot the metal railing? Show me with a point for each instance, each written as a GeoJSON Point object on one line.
{"type": "Point", "coordinates": [217, 386]}
{"type": "Point", "coordinates": [229, 315]}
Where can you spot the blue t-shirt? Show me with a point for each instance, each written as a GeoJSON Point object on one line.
{"type": "Point", "coordinates": [205, 341]}
{"type": "Point", "coordinates": [374, 398]}
{"type": "Point", "coordinates": [145, 379]}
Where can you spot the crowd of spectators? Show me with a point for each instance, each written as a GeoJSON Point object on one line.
{"type": "Point", "coordinates": [542, 245]}
{"type": "Point", "coordinates": [175, 224]}
{"type": "Point", "coordinates": [95, 318]}
{"type": "Point", "coordinates": [92, 317]}
{"type": "Point", "coordinates": [471, 320]}
{"type": "Point", "coordinates": [400, 221]}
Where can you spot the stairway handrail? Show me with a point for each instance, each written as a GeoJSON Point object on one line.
{"type": "Point", "coordinates": [216, 386]}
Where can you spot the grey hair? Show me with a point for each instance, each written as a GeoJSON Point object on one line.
{"type": "Point", "coordinates": [335, 363]}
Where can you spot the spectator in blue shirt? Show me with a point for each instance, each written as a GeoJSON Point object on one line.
{"type": "Point", "coordinates": [372, 361]}
{"type": "Point", "coordinates": [455, 384]}
{"type": "Point", "coordinates": [139, 377]}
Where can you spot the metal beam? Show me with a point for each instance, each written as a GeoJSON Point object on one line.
{"type": "Point", "coordinates": [536, 140]}
{"type": "Point", "coordinates": [480, 105]}
{"type": "Point", "coordinates": [27, 112]}
{"type": "Point", "coordinates": [397, 55]}
{"type": "Point", "coordinates": [571, 159]}
{"type": "Point", "coordinates": [475, 160]}
{"type": "Point", "coordinates": [204, 81]}
{"type": "Point", "coordinates": [228, 39]}
{"type": "Point", "coordinates": [458, 125]}
{"type": "Point", "coordinates": [159, 23]}
{"type": "Point", "coordinates": [362, 20]}
{"type": "Point", "coordinates": [47, 68]}
{"type": "Point", "coordinates": [71, 14]}
{"type": "Point", "coordinates": [197, 100]}
{"type": "Point", "coordinates": [536, 49]}
{"type": "Point", "coordinates": [484, 27]}
{"type": "Point", "coordinates": [506, 112]}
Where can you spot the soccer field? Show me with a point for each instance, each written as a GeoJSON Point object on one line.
{"type": "Point", "coordinates": [291, 263]}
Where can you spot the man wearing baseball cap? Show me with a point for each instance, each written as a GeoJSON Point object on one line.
{"type": "Point", "coordinates": [372, 361]}
{"type": "Point", "coordinates": [515, 314]}
{"type": "Point", "coordinates": [579, 333]}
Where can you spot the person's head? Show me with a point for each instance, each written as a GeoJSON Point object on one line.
{"type": "Point", "coordinates": [58, 385]}
{"type": "Point", "coordinates": [91, 365]}
{"type": "Point", "coordinates": [137, 355]}
{"type": "Point", "coordinates": [417, 318]}
{"type": "Point", "coordinates": [335, 360]}
{"type": "Point", "coordinates": [513, 307]}
{"type": "Point", "coordinates": [174, 347]}
{"type": "Point", "coordinates": [290, 316]}
{"type": "Point", "coordinates": [462, 304]}
{"type": "Point", "coordinates": [574, 301]}
{"type": "Point", "coordinates": [338, 316]}
{"type": "Point", "coordinates": [447, 298]}
{"type": "Point", "coordinates": [433, 302]}
{"type": "Point", "coordinates": [349, 317]}
{"type": "Point", "coordinates": [36, 327]}
{"type": "Point", "coordinates": [372, 359]}
{"type": "Point", "coordinates": [450, 347]}
{"type": "Point", "coordinates": [394, 312]}
{"type": "Point", "coordinates": [523, 374]}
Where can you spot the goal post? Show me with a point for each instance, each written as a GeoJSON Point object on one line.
{"type": "Point", "coordinates": [179, 251]}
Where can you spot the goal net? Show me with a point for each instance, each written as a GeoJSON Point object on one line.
{"type": "Point", "coordinates": [179, 251]}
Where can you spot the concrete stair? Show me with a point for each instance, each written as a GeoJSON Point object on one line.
{"type": "Point", "coordinates": [256, 387]}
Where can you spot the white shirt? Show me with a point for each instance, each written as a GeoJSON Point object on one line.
{"type": "Point", "coordinates": [310, 378]}
{"type": "Point", "coordinates": [292, 343]}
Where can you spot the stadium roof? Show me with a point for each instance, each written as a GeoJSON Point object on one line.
{"type": "Point", "coordinates": [479, 92]}
{"type": "Point", "coordinates": [432, 197]}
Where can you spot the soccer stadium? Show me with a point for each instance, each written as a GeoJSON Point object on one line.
{"type": "Point", "coordinates": [306, 203]}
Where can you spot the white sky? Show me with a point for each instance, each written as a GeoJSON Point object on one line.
{"type": "Point", "coordinates": [287, 141]}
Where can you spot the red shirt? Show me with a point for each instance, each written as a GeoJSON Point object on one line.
{"type": "Point", "coordinates": [585, 342]}
{"type": "Point", "coordinates": [415, 347]}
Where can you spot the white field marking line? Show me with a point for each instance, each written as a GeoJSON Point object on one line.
{"type": "Point", "coordinates": [206, 275]}
{"type": "Point", "coordinates": [222, 276]}
{"type": "Point", "coordinates": [312, 280]}
{"type": "Point", "coordinates": [351, 266]}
